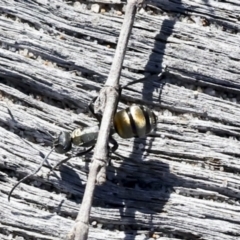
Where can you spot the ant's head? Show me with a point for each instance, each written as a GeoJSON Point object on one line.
{"type": "Point", "coordinates": [63, 143]}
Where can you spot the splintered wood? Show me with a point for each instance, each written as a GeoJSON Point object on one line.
{"type": "Point", "coordinates": [182, 181]}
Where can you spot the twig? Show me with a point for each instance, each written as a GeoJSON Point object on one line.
{"type": "Point", "coordinates": [110, 96]}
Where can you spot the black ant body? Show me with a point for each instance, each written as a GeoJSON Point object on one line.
{"type": "Point", "coordinates": [134, 121]}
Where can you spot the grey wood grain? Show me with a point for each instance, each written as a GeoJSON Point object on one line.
{"type": "Point", "coordinates": [182, 181]}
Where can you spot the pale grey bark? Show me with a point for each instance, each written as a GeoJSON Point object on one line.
{"type": "Point", "coordinates": [180, 182]}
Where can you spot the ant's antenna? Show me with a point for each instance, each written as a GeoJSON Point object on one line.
{"type": "Point", "coordinates": [29, 175]}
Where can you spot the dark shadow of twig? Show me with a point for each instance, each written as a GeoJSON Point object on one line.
{"type": "Point", "coordinates": [157, 183]}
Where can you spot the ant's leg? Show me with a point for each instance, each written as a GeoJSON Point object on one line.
{"type": "Point", "coordinates": [115, 144]}
{"type": "Point", "coordinates": [159, 76]}
{"type": "Point", "coordinates": [90, 107]}
{"type": "Point", "coordinates": [112, 149]}
{"type": "Point", "coordinates": [76, 155]}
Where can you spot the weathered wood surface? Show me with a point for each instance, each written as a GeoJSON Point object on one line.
{"type": "Point", "coordinates": [181, 182]}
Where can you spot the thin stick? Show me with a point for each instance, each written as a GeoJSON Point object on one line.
{"type": "Point", "coordinates": [110, 93]}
